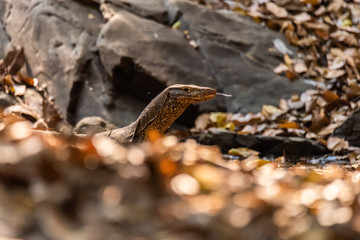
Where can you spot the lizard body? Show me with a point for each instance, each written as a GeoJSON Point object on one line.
{"type": "Point", "coordinates": [159, 114]}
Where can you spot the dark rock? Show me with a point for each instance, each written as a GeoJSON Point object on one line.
{"type": "Point", "coordinates": [278, 145]}
{"type": "Point", "coordinates": [57, 37]}
{"type": "Point", "coordinates": [4, 39]}
{"type": "Point", "coordinates": [152, 57]}
{"type": "Point", "coordinates": [92, 125]}
{"type": "Point", "coordinates": [6, 100]}
{"type": "Point", "coordinates": [154, 9]}
{"type": "Point", "coordinates": [350, 129]}
{"type": "Point", "coordinates": [240, 54]}
{"type": "Point", "coordinates": [114, 69]}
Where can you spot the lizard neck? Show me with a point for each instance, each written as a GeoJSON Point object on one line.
{"type": "Point", "coordinates": [157, 116]}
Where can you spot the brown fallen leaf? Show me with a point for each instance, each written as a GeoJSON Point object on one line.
{"type": "Point", "coordinates": [345, 37]}
{"type": "Point", "coordinates": [288, 125]}
{"type": "Point", "coordinates": [283, 105]}
{"type": "Point", "coordinates": [276, 10]}
{"type": "Point", "coordinates": [317, 26]}
{"type": "Point", "coordinates": [319, 120]}
{"type": "Point", "coordinates": [302, 17]}
{"type": "Point", "coordinates": [273, 132]}
{"type": "Point", "coordinates": [330, 96]}
{"type": "Point", "coordinates": [269, 111]}
{"type": "Point", "coordinates": [8, 84]}
{"type": "Point", "coordinates": [243, 152]}
{"type": "Point", "coordinates": [248, 129]}
{"type": "Point", "coordinates": [334, 73]}
{"type": "Point", "coordinates": [326, 131]}
{"type": "Point", "coordinates": [335, 6]}
{"type": "Point", "coordinates": [312, 2]}
{"type": "Point", "coordinates": [252, 129]}
{"type": "Point", "coordinates": [300, 67]}
{"type": "Point", "coordinates": [291, 75]}
{"type": "Point", "coordinates": [218, 118]}
{"type": "Point", "coordinates": [239, 119]}
{"type": "Point", "coordinates": [337, 63]}
{"type": "Point", "coordinates": [14, 60]}
{"type": "Point", "coordinates": [281, 68]}
{"type": "Point", "coordinates": [202, 121]}
{"type": "Point", "coordinates": [336, 144]}
{"type": "Point", "coordinates": [33, 82]}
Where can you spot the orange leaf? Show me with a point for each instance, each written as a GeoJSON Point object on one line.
{"type": "Point", "coordinates": [330, 96]}
{"type": "Point", "coordinates": [289, 125]}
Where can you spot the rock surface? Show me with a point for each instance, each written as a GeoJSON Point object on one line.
{"type": "Point", "coordinates": [350, 129]}
{"type": "Point", "coordinates": [110, 58]}
{"type": "Point", "coordinates": [278, 146]}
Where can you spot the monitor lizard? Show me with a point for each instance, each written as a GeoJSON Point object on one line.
{"type": "Point", "coordinates": [158, 115]}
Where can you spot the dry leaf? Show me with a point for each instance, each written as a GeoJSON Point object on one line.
{"type": "Point", "coordinates": [336, 144]}
{"type": "Point", "coordinates": [317, 26]}
{"type": "Point", "coordinates": [337, 63]}
{"type": "Point", "coordinates": [281, 68]}
{"type": "Point", "coordinates": [334, 73]}
{"type": "Point", "coordinates": [319, 120]}
{"type": "Point", "coordinates": [326, 131]}
{"type": "Point", "coordinates": [302, 17]}
{"type": "Point", "coordinates": [345, 37]}
{"type": "Point", "coordinates": [248, 129]}
{"type": "Point", "coordinates": [289, 125]}
{"type": "Point", "coordinates": [283, 105]}
{"type": "Point", "coordinates": [330, 96]}
{"type": "Point", "coordinates": [268, 111]}
{"type": "Point", "coordinates": [218, 118]}
{"type": "Point", "coordinates": [335, 6]}
{"type": "Point", "coordinates": [272, 132]}
{"type": "Point", "coordinates": [276, 10]}
{"type": "Point", "coordinates": [239, 119]}
{"type": "Point", "coordinates": [300, 67]}
{"type": "Point", "coordinates": [312, 2]}
{"type": "Point", "coordinates": [287, 60]}
{"type": "Point", "coordinates": [243, 152]}
{"type": "Point", "coordinates": [202, 121]}
{"type": "Point", "coordinates": [291, 75]}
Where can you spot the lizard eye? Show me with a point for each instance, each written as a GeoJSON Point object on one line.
{"type": "Point", "coordinates": [186, 89]}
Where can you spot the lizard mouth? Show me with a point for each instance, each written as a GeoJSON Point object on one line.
{"type": "Point", "coordinates": [209, 96]}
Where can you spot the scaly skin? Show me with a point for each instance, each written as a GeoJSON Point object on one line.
{"type": "Point", "coordinates": [161, 112]}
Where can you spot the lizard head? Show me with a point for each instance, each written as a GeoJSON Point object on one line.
{"type": "Point", "coordinates": [188, 94]}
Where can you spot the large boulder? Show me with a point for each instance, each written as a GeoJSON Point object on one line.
{"type": "Point", "coordinates": [151, 57]}
{"type": "Point", "coordinates": [240, 54]}
{"type": "Point", "coordinates": [154, 9]}
{"type": "Point", "coordinates": [350, 129]}
{"type": "Point", "coordinates": [110, 58]}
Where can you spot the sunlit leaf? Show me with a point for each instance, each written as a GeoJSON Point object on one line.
{"type": "Point", "coordinates": [288, 125]}
{"type": "Point", "coordinates": [337, 144]}
{"type": "Point", "coordinates": [243, 152]}
{"type": "Point", "coordinates": [276, 10]}
{"type": "Point", "coordinates": [269, 111]}
{"type": "Point", "coordinates": [218, 118]}
{"type": "Point", "coordinates": [176, 25]}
